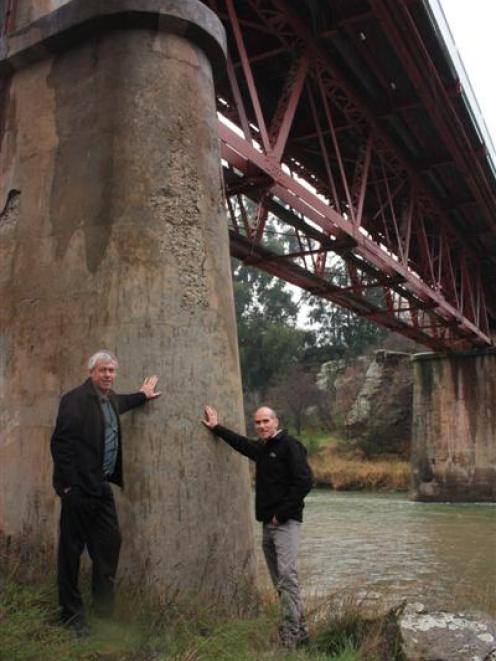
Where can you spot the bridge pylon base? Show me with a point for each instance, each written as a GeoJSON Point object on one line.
{"type": "Point", "coordinates": [454, 427]}
{"type": "Point", "coordinates": [113, 235]}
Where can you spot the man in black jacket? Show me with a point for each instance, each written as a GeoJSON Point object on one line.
{"type": "Point", "coordinates": [282, 480]}
{"type": "Point", "coordinates": [87, 455]}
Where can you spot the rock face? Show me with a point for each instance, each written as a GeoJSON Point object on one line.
{"type": "Point", "coordinates": [342, 379]}
{"type": "Point", "coordinates": [372, 399]}
{"type": "Point", "coordinates": [442, 636]}
{"type": "Point", "coordinates": [454, 427]}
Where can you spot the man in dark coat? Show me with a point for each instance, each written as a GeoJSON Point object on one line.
{"type": "Point", "coordinates": [282, 480]}
{"type": "Point", "coordinates": [87, 455]}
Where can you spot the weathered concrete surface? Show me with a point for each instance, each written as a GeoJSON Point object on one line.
{"type": "Point", "coordinates": [443, 636]}
{"type": "Point", "coordinates": [113, 234]}
{"type": "Point", "coordinates": [454, 427]}
{"type": "Point", "coordinates": [76, 22]}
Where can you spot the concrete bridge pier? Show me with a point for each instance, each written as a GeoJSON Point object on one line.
{"type": "Point", "coordinates": [454, 427]}
{"type": "Point", "coordinates": [113, 234]}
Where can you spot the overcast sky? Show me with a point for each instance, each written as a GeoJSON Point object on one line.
{"type": "Point", "coordinates": [472, 24]}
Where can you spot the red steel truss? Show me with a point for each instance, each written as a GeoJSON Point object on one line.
{"type": "Point", "coordinates": [336, 118]}
{"type": "Point", "coordinates": [300, 143]}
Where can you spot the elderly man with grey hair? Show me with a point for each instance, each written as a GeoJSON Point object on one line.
{"type": "Point", "coordinates": [87, 455]}
{"type": "Point", "coordinates": [282, 480]}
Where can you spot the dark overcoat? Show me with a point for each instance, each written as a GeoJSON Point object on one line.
{"type": "Point", "coordinates": [78, 440]}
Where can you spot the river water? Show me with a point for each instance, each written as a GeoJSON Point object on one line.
{"type": "Point", "coordinates": [443, 555]}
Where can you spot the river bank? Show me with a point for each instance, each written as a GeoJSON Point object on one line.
{"type": "Point", "coordinates": [343, 470]}
{"type": "Point", "coordinates": [359, 550]}
{"type": "Point", "coordinates": [29, 631]}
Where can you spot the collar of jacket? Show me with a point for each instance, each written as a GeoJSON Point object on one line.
{"type": "Point", "coordinates": [280, 434]}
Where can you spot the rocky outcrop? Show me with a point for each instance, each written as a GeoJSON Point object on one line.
{"type": "Point", "coordinates": [381, 416]}
{"type": "Point", "coordinates": [342, 380]}
{"type": "Point", "coordinates": [442, 636]}
{"type": "Point", "coordinates": [371, 400]}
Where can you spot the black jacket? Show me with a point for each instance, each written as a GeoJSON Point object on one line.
{"type": "Point", "coordinates": [282, 476]}
{"type": "Point", "coordinates": [78, 439]}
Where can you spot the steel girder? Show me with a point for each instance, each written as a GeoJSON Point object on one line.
{"type": "Point", "coordinates": [340, 187]}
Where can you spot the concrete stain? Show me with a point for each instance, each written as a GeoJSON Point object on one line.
{"type": "Point", "coordinates": [426, 374]}
{"type": "Point", "coordinates": [81, 196]}
{"type": "Point", "coordinates": [6, 102]}
{"type": "Point", "coordinates": [8, 129]}
{"type": "Point", "coordinates": [471, 391]}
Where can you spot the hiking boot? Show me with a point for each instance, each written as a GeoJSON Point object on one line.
{"type": "Point", "coordinates": [80, 629]}
{"type": "Point", "coordinates": [77, 625]}
{"type": "Point", "coordinates": [304, 641]}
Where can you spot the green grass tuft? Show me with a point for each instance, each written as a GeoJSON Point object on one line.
{"type": "Point", "coordinates": [316, 439]}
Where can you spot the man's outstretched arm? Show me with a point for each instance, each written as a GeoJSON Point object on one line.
{"type": "Point", "coordinates": [241, 444]}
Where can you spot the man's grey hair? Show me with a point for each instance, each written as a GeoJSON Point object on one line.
{"type": "Point", "coordinates": [102, 356]}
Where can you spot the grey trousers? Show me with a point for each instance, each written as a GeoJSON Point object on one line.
{"type": "Point", "coordinates": [280, 546]}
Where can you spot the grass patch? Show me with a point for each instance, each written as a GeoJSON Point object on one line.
{"type": "Point", "coordinates": [344, 627]}
{"type": "Point", "coordinates": [316, 439]}
{"type": "Point", "coordinates": [334, 468]}
{"type": "Point", "coordinates": [29, 632]}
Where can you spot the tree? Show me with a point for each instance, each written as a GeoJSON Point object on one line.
{"type": "Point", "coordinates": [267, 347]}
{"type": "Point", "coordinates": [267, 309]}
{"type": "Point", "coordinates": [296, 394]}
{"type": "Point", "coordinates": [339, 327]}
{"type": "Point", "coordinates": [259, 294]}
{"type": "Point", "coordinates": [269, 341]}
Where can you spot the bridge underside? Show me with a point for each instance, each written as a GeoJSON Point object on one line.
{"type": "Point", "coordinates": [361, 144]}
{"type": "Point", "coordinates": [347, 122]}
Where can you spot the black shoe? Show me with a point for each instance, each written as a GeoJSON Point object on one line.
{"type": "Point", "coordinates": [303, 642]}
{"type": "Point", "coordinates": [80, 629]}
{"type": "Point", "coordinates": [77, 625]}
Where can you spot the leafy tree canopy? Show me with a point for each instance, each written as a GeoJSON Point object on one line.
{"type": "Point", "coordinates": [267, 310]}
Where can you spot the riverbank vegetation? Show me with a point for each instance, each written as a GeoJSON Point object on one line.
{"type": "Point", "coordinates": [337, 469]}
{"type": "Point", "coordinates": [29, 632]}
{"type": "Point", "coordinates": [341, 465]}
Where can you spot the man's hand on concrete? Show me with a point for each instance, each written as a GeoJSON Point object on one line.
{"type": "Point", "coordinates": [274, 521]}
{"type": "Point", "coordinates": [211, 418]}
{"type": "Point", "coordinates": [148, 387]}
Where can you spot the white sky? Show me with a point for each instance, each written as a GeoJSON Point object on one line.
{"type": "Point", "coordinates": [472, 24]}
